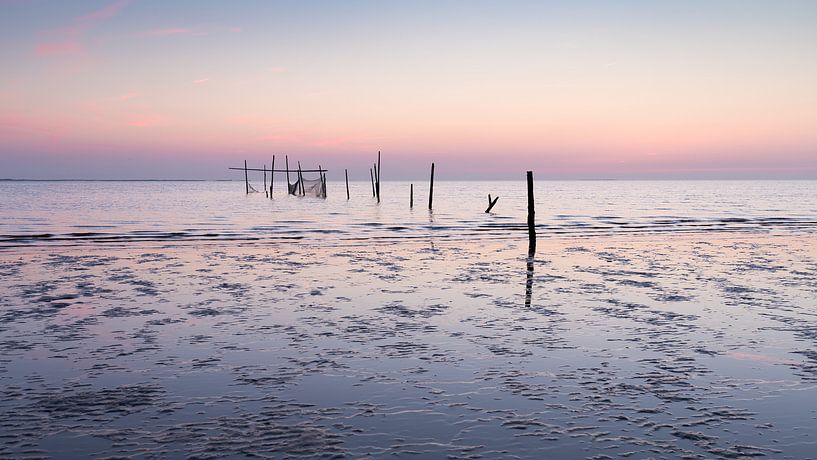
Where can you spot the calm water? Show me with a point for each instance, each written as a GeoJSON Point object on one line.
{"type": "Point", "coordinates": [656, 320]}
{"type": "Point", "coordinates": [36, 212]}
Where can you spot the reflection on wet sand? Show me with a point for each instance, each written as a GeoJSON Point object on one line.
{"type": "Point", "coordinates": [529, 279]}
{"type": "Point", "coordinates": [628, 347]}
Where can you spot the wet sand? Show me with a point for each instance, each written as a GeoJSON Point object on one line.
{"type": "Point", "coordinates": [693, 346]}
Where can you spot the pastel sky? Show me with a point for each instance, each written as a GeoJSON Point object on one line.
{"type": "Point", "coordinates": [487, 89]}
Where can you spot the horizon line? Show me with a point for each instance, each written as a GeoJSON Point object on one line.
{"type": "Point", "coordinates": [549, 179]}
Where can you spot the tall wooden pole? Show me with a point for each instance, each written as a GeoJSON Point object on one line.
{"type": "Point", "coordinates": [431, 188]}
{"type": "Point", "coordinates": [266, 193]}
{"type": "Point", "coordinates": [411, 196]}
{"type": "Point", "coordinates": [376, 182]}
{"type": "Point", "coordinates": [379, 174]}
{"type": "Point", "coordinates": [371, 174]}
{"type": "Point", "coordinates": [246, 178]}
{"type": "Point", "coordinates": [301, 180]}
{"type": "Point", "coordinates": [531, 213]}
{"type": "Point", "coordinates": [289, 187]}
{"type": "Point", "coordinates": [271, 177]}
{"type": "Point", "coordinates": [323, 181]}
{"type": "Point", "coordinates": [346, 172]}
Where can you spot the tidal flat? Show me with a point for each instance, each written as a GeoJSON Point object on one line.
{"type": "Point", "coordinates": [638, 346]}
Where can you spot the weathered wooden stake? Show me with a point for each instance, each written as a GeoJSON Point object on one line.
{"type": "Point", "coordinates": [379, 174]}
{"type": "Point", "coordinates": [346, 173]}
{"type": "Point", "coordinates": [323, 180]}
{"type": "Point", "coordinates": [411, 196]}
{"type": "Point", "coordinates": [531, 213]}
{"type": "Point", "coordinates": [301, 180]}
{"type": "Point", "coordinates": [266, 193]}
{"type": "Point", "coordinates": [371, 174]}
{"type": "Point", "coordinates": [376, 183]}
{"type": "Point", "coordinates": [289, 187]}
{"type": "Point", "coordinates": [491, 203]}
{"type": "Point", "coordinates": [431, 188]}
{"type": "Point", "coordinates": [271, 177]}
{"type": "Point", "coordinates": [246, 178]}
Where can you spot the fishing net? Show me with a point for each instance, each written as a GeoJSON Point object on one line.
{"type": "Point", "coordinates": [308, 187]}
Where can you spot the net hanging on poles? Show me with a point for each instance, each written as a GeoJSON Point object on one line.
{"type": "Point", "coordinates": [309, 187]}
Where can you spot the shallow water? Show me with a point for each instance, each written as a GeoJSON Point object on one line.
{"type": "Point", "coordinates": [692, 343]}
{"type": "Point", "coordinates": [79, 212]}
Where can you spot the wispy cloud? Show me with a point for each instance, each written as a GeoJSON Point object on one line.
{"type": "Point", "coordinates": [168, 31]}
{"type": "Point", "coordinates": [67, 40]}
{"type": "Point", "coordinates": [58, 48]}
{"type": "Point", "coordinates": [188, 31]}
{"type": "Point", "coordinates": [201, 81]}
{"type": "Point", "coordinates": [19, 127]}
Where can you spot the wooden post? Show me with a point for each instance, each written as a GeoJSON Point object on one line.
{"type": "Point", "coordinates": [411, 196]}
{"type": "Point", "coordinates": [346, 172]}
{"type": "Point", "coordinates": [286, 159]}
{"type": "Point", "coordinates": [323, 181]}
{"type": "Point", "coordinates": [371, 174]}
{"type": "Point", "coordinates": [301, 180]}
{"type": "Point", "coordinates": [491, 203]}
{"type": "Point", "coordinates": [531, 242]}
{"type": "Point", "coordinates": [531, 213]}
{"type": "Point", "coordinates": [271, 177]}
{"type": "Point", "coordinates": [431, 188]}
{"type": "Point", "coordinates": [379, 174]}
{"type": "Point", "coordinates": [266, 193]}
{"type": "Point", "coordinates": [246, 178]}
{"type": "Point", "coordinates": [376, 183]}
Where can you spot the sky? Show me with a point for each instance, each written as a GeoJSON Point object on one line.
{"type": "Point", "coordinates": [151, 89]}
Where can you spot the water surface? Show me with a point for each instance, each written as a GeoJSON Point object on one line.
{"type": "Point", "coordinates": [123, 211]}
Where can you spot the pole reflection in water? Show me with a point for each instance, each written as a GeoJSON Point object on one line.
{"type": "Point", "coordinates": [529, 280]}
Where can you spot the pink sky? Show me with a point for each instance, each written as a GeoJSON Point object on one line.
{"type": "Point", "coordinates": [106, 89]}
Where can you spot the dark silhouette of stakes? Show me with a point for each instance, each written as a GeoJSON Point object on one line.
{"type": "Point", "coordinates": [323, 180]}
{"type": "Point", "coordinates": [271, 176]}
{"type": "Point", "coordinates": [300, 180]}
{"type": "Point", "coordinates": [300, 190]}
{"type": "Point", "coordinates": [376, 183]}
{"type": "Point", "coordinates": [531, 213]}
{"type": "Point", "coordinates": [431, 188]}
{"type": "Point", "coordinates": [346, 173]}
{"type": "Point", "coordinates": [246, 178]}
{"type": "Point", "coordinates": [286, 159]}
{"type": "Point", "coordinates": [411, 196]}
{"type": "Point", "coordinates": [531, 241]}
{"type": "Point", "coordinates": [378, 176]}
{"type": "Point", "coordinates": [371, 174]}
{"type": "Point", "coordinates": [491, 203]}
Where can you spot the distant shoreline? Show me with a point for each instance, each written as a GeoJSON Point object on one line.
{"type": "Point", "coordinates": [733, 179]}
{"type": "Point", "coordinates": [119, 180]}
{"type": "Point", "coordinates": [419, 181]}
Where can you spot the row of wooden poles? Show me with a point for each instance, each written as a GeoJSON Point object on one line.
{"type": "Point", "coordinates": [375, 174]}
{"type": "Point", "coordinates": [321, 172]}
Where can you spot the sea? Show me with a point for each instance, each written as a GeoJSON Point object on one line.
{"type": "Point", "coordinates": [189, 319]}
{"type": "Point", "coordinates": [40, 212]}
